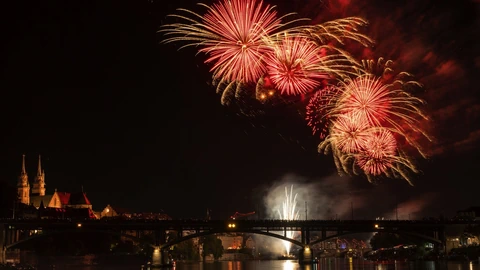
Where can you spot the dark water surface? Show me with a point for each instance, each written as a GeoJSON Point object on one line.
{"type": "Point", "coordinates": [123, 263]}
{"type": "Point", "coordinates": [328, 264]}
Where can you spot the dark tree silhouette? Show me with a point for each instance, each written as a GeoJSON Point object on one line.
{"type": "Point", "coordinates": [212, 245]}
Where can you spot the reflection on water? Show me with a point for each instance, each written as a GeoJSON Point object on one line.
{"type": "Point", "coordinates": [288, 265]}
{"type": "Point", "coordinates": [124, 263]}
{"type": "Point", "coordinates": [328, 264]}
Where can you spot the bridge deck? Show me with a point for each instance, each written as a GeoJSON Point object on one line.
{"type": "Point", "coordinates": [271, 225]}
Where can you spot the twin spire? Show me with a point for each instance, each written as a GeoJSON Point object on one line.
{"type": "Point", "coordinates": [40, 172]}
{"type": "Point", "coordinates": [38, 187]}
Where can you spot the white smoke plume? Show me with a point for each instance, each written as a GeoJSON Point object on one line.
{"type": "Point", "coordinates": [329, 198]}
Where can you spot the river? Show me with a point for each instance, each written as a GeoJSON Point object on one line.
{"type": "Point", "coordinates": [93, 262]}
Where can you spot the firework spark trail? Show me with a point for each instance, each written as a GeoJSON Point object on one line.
{"type": "Point", "coordinates": [289, 213]}
{"type": "Point", "coordinates": [339, 30]}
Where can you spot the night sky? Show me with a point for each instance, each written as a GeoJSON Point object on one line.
{"type": "Point", "coordinates": [137, 124]}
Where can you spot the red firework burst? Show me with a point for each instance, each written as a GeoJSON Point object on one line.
{"type": "Point", "coordinates": [294, 65]}
{"type": "Point", "coordinates": [378, 153]}
{"type": "Point", "coordinates": [232, 34]}
{"type": "Point", "coordinates": [367, 98]}
{"type": "Point", "coordinates": [317, 111]}
{"type": "Point", "coordinates": [236, 29]}
{"type": "Point", "coordinates": [349, 133]}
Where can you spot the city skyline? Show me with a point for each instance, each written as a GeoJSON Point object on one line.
{"type": "Point", "coordinates": [138, 124]}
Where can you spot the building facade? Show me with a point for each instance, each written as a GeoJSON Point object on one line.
{"type": "Point", "coordinates": [38, 197]}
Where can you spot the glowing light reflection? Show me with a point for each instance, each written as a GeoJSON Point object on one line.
{"type": "Point", "coordinates": [288, 265]}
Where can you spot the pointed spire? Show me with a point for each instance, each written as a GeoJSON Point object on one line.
{"type": "Point", "coordinates": [23, 165]}
{"type": "Point", "coordinates": [23, 187]}
{"type": "Point", "coordinates": [39, 170]}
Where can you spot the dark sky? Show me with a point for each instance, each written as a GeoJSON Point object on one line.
{"type": "Point", "coordinates": [87, 85]}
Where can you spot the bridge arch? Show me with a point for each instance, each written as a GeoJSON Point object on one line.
{"type": "Point", "coordinates": [205, 233]}
{"type": "Point", "coordinates": [45, 234]}
{"type": "Point", "coordinates": [418, 235]}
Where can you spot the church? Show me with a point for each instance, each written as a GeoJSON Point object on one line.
{"type": "Point", "coordinates": [37, 196]}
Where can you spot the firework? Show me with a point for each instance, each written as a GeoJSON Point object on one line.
{"type": "Point", "coordinates": [391, 165]}
{"type": "Point", "coordinates": [364, 120]}
{"type": "Point", "coordinates": [367, 99]}
{"type": "Point", "coordinates": [380, 105]}
{"type": "Point", "coordinates": [369, 117]}
{"type": "Point", "coordinates": [347, 137]}
{"type": "Point", "coordinates": [289, 212]}
{"type": "Point", "coordinates": [378, 152]}
{"type": "Point", "coordinates": [350, 133]}
{"type": "Point", "coordinates": [244, 40]}
{"type": "Point", "coordinates": [297, 65]}
{"type": "Point", "coordinates": [231, 33]}
{"type": "Point", "coordinates": [402, 85]}
{"type": "Point", "coordinates": [317, 110]}
{"type": "Point", "coordinates": [294, 65]}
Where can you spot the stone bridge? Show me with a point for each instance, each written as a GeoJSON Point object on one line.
{"type": "Point", "coordinates": [15, 232]}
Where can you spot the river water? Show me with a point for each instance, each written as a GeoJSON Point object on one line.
{"type": "Point", "coordinates": [327, 264]}
{"type": "Point", "coordinates": [129, 263]}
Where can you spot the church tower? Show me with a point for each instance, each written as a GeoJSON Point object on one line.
{"type": "Point", "coordinates": [23, 187]}
{"type": "Point", "coordinates": [38, 188]}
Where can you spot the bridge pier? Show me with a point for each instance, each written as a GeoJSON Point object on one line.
{"type": "Point", "coordinates": [305, 256]}
{"type": "Point", "coordinates": [160, 258]}
{"type": "Point", "coordinates": [157, 257]}
{"type": "Point", "coordinates": [2, 244]}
